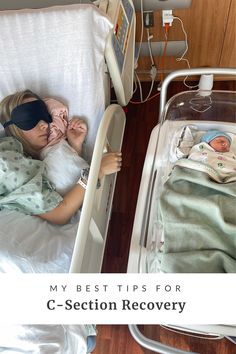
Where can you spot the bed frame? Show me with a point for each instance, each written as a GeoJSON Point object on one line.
{"type": "Point", "coordinates": [138, 250]}
{"type": "Point", "coordinates": [95, 216]}
{"type": "Point", "coordinates": [119, 55]}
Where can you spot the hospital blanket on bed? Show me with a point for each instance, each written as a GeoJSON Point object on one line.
{"type": "Point", "coordinates": [45, 339]}
{"type": "Point", "coordinates": [199, 222]}
{"type": "Point", "coordinates": [23, 186]}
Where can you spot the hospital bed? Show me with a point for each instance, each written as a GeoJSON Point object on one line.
{"type": "Point", "coordinates": [182, 121]}
{"type": "Point", "coordinates": [54, 52]}
{"type": "Point", "coordinates": [70, 52]}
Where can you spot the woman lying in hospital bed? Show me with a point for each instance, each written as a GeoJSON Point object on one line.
{"type": "Point", "coordinates": [25, 186]}
{"type": "Point", "coordinates": [197, 208]}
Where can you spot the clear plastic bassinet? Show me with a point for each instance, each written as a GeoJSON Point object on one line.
{"type": "Point", "coordinates": [187, 115]}
{"type": "Point", "coordinates": [198, 110]}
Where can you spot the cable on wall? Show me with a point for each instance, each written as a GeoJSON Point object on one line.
{"type": "Point", "coordinates": [182, 58]}
{"type": "Point", "coordinates": [149, 37]}
{"type": "Point", "coordinates": [162, 61]}
{"type": "Point", "coordinates": [153, 73]}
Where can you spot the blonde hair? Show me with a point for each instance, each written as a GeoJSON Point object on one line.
{"type": "Point", "coordinates": [6, 107]}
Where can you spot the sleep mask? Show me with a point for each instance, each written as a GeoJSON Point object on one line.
{"type": "Point", "coordinates": [27, 115]}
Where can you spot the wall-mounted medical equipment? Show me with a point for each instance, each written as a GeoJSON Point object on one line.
{"type": "Point", "coordinates": [120, 48]}
{"type": "Point", "coordinates": [149, 5]}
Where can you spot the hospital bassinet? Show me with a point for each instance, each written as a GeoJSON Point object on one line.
{"type": "Point", "coordinates": [71, 53]}
{"type": "Point", "coordinates": [193, 110]}
{"type": "Point", "coordinates": [185, 116]}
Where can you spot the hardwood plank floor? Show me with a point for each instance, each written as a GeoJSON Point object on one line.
{"type": "Point", "coordinates": [115, 339]}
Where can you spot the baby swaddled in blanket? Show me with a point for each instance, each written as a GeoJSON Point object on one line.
{"type": "Point", "coordinates": [197, 209]}
{"type": "Point", "coordinates": [215, 156]}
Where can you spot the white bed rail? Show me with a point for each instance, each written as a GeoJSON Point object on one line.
{"type": "Point", "coordinates": [91, 236]}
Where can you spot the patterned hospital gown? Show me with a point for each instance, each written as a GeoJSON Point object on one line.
{"type": "Point", "coordinates": [23, 186]}
{"type": "Point", "coordinates": [223, 163]}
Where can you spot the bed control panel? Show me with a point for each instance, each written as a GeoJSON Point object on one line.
{"type": "Point", "coordinates": [121, 32]}
{"type": "Point", "coordinates": [121, 45]}
{"type": "Point", "coordinates": [122, 27]}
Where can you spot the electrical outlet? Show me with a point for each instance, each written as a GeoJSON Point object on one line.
{"type": "Point", "coordinates": [167, 17]}
{"type": "Point", "coordinates": [148, 19]}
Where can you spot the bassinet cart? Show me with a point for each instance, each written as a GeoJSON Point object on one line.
{"type": "Point", "coordinates": [182, 121]}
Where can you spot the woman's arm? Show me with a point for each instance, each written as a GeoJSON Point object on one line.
{"type": "Point", "coordinates": [73, 199]}
{"type": "Point", "coordinates": [71, 202]}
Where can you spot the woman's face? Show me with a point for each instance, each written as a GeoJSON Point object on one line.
{"type": "Point", "coordinates": [220, 144]}
{"type": "Point", "coordinates": [38, 136]}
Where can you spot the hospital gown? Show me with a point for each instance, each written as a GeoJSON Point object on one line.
{"type": "Point", "coordinates": [223, 162]}
{"type": "Point", "coordinates": [23, 185]}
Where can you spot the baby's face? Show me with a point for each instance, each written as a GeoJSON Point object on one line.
{"type": "Point", "coordinates": [220, 144]}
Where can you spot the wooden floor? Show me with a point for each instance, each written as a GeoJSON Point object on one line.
{"type": "Point", "coordinates": [141, 119]}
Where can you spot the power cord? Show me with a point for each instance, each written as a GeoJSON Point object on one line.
{"type": "Point", "coordinates": [162, 61]}
{"type": "Point", "coordinates": [182, 58]}
{"type": "Point", "coordinates": [153, 73]}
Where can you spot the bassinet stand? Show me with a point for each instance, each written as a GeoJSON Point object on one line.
{"type": "Point", "coordinates": [138, 243]}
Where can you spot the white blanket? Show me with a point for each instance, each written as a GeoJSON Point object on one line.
{"type": "Point", "coordinates": [29, 244]}
{"type": "Point", "coordinates": [55, 53]}
{"type": "Point", "coordinates": [45, 339]}
{"type": "Point", "coordinates": [62, 165]}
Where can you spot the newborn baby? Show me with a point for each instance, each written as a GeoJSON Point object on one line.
{"type": "Point", "coordinates": [215, 151]}
{"type": "Point", "coordinates": [219, 141]}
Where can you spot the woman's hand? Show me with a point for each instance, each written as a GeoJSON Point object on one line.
{"type": "Point", "coordinates": [111, 163]}
{"type": "Point", "coordinates": [76, 133]}
{"type": "Point", "coordinates": [72, 201]}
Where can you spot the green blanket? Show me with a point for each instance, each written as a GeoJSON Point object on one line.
{"type": "Point", "coordinates": [198, 216]}
{"type": "Point", "coordinates": [23, 186]}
